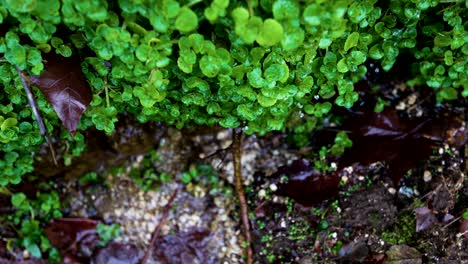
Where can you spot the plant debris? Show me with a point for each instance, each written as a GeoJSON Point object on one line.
{"type": "Point", "coordinates": [402, 254]}
{"type": "Point", "coordinates": [306, 185]}
{"type": "Point", "coordinates": [75, 236]}
{"type": "Point", "coordinates": [386, 137]}
{"type": "Point", "coordinates": [65, 88]}
{"type": "Point", "coordinates": [117, 253]}
{"type": "Point", "coordinates": [183, 247]}
{"type": "Point", "coordinates": [425, 218]}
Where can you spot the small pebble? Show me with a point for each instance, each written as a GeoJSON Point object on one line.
{"type": "Point", "coordinates": [273, 187]}
{"type": "Point", "coordinates": [283, 224]}
{"type": "Point", "coordinates": [261, 193]}
{"type": "Point", "coordinates": [392, 190]}
{"type": "Point", "coordinates": [427, 176]}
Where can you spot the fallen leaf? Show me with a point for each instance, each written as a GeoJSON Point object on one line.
{"type": "Point", "coordinates": [65, 88]}
{"type": "Point", "coordinates": [425, 218]}
{"type": "Point", "coordinates": [183, 247]}
{"type": "Point", "coordinates": [117, 253]}
{"type": "Point", "coordinates": [385, 137]}
{"type": "Point", "coordinates": [403, 254]}
{"type": "Point", "coordinates": [463, 229]}
{"type": "Point", "coordinates": [355, 251]}
{"type": "Point", "coordinates": [375, 259]}
{"type": "Point", "coordinates": [76, 236]}
{"type": "Point", "coordinates": [306, 185]}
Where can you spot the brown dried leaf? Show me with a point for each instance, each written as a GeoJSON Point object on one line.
{"type": "Point", "coordinates": [464, 228]}
{"type": "Point", "coordinates": [66, 89]}
{"type": "Point", "coordinates": [117, 253]}
{"type": "Point", "coordinates": [385, 137]}
{"type": "Point", "coordinates": [425, 218]}
{"type": "Point", "coordinates": [183, 247]}
{"type": "Point", "coordinates": [73, 235]}
{"type": "Point", "coordinates": [306, 185]}
{"type": "Point", "coordinates": [403, 254]}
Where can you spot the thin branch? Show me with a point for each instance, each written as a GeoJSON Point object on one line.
{"type": "Point", "coordinates": [159, 227]}
{"type": "Point", "coordinates": [451, 222]}
{"type": "Point", "coordinates": [236, 153]}
{"type": "Point", "coordinates": [32, 102]}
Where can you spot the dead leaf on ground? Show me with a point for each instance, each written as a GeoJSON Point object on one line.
{"type": "Point", "coordinates": [425, 218]}
{"type": "Point", "coordinates": [76, 236]}
{"type": "Point", "coordinates": [306, 185]}
{"type": "Point", "coordinates": [117, 253]}
{"type": "Point", "coordinates": [65, 88]}
{"type": "Point", "coordinates": [355, 251]}
{"type": "Point", "coordinates": [183, 247]}
{"type": "Point", "coordinates": [403, 254]}
{"type": "Point", "coordinates": [464, 228]}
{"type": "Point", "coordinates": [386, 137]}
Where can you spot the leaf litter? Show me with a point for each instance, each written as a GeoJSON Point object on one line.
{"type": "Point", "coordinates": [65, 88]}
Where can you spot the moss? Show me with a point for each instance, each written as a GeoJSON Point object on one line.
{"type": "Point", "coordinates": [402, 232]}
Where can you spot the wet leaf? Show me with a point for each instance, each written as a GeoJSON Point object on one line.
{"type": "Point", "coordinates": [355, 251]}
{"type": "Point", "coordinates": [385, 137]}
{"type": "Point", "coordinates": [183, 247]}
{"type": "Point", "coordinates": [117, 253]}
{"type": "Point", "coordinates": [464, 228]}
{"type": "Point", "coordinates": [425, 218]}
{"type": "Point", "coordinates": [65, 88]}
{"type": "Point", "coordinates": [403, 254]}
{"type": "Point", "coordinates": [375, 259]}
{"type": "Point", "coordinates": [74, 235]}
{"type": "Point", "coordinates": [306, 185]}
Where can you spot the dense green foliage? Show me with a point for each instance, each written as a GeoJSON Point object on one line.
{"type": "Point", "coordinates": [262, 65]}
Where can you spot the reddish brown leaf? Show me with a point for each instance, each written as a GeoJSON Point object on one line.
{"type": "Point", "coordinates": [66, 89]}
{"type": "Point", "coordinates": [74, 235]}
{"type": "Point", "coordinates": [306, 185]}
{"type": "Point", "coordinates": [355, 251]}
{"type": "Point", "coordinates": [375, 259]}
{"type": "Point", "coordinates": [116, 253]}
{"type": "Point", "coordinates": [425, 218]}
{"type": "Point", "coordinates": [385, 137]}
{"type": "Point", "coordinates": [184, 247]}
{"type": "Point", "coordinates": [464, 228]}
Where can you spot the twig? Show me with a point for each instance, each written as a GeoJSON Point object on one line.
{"type": "Point", "coordinates": [451, 222]}
{"type": "Point", "coordinates": [236, 153]}
{"type": "Point", "coordinates": [32, 102]}
{"type": "Point", "coordinates": [159, 227]}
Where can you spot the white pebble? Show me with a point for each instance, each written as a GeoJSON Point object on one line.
{"type": "Point", "coordinates": [392, 190]}
{"type": "Point", "coordinates": [344, 179]}
{"type": "Point", "coordinates": [261, 193]}
{"type": "Point", "coordinates": [427, 176]}
{"type": "Point", "coordinates": [283, 224]}
{"type": "Point", "coordinates": [273, 187]}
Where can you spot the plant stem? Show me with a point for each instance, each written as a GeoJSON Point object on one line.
{"type": "Point", "coordinates": [106, 90]}
{"type": "Point", "coordinates": [236, 153]}
{"type": "Point", "coordinates": [158, 228]}
{"type": "Point", "coordinates": [32, 102]}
